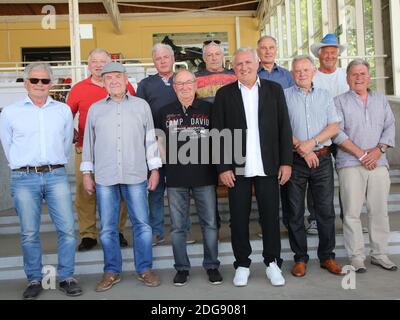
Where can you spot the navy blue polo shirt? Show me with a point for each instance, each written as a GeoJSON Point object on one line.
{"type": "Point", "coordinates": [156, 92]}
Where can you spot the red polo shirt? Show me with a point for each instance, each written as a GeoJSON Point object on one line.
{"type": "Point", "coordinates": [82, 96]}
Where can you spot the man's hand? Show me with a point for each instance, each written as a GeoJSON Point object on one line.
{"type": "Point", "coordinates": [228, 178]}
{"type": "Point", "coordinates": [88, 183]}
{"type": "Point", "coordinates": [284, 174]}
{"type": "Point", "coordinates": [372, 157]}
{"type": "Point", "coordinates": [305, 147]}
{"type": "Point", "coordinates": [153, 180]}
{"type": "Point", "coordinates": [312, 160]}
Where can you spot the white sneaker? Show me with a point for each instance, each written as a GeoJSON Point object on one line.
{"type": "Point", "coordinates": [274, 274]}
{"type": "Point", "coordinates": [241, 277]}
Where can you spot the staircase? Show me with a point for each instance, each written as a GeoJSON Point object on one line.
{"type": "Point", "coordinates": [11, 262]}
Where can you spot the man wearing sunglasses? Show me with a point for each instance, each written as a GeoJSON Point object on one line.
{"type": "Point", "coordinates": [36, 134]}
{"type": "Point", "coordinates": [210, 80]}
{"type": "Point", "coordinates": [215, 75]}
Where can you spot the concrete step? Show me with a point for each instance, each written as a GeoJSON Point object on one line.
{"type": "Point", "coordinates": [11, 267]}
{"type": "Point", "coordinates": [9, 222]}
{"type": "Point", "coordinates": [394, 177]}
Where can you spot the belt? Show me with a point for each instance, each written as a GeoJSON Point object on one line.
{"type": "Point", "coordinates": [46, 168]}
{"type": "Point", "coordinates": [322, 152]}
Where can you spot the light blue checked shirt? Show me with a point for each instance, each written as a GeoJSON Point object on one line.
{"type": "Point", "coordinates": [310, 113]}
{"type": "Point", "coordinates": [33, 136]}
{"type": "Point", "coordinates": [365, 125]}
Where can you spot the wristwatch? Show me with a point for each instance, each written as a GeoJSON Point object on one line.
{"type": "Point", "coordinates": [382, 149]}
{"type": "Point", "coordinates": [318, 144]}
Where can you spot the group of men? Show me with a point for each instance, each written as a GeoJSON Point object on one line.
{"type": "Point", "coordinates": [281, 126]}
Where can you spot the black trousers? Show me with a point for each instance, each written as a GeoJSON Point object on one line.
{"type": "Point", "coordinates": [310, 201]}
{"type": "Point", "coordinates": [320, 182]}
{"type": "Point", "coordinates": [267, 195]}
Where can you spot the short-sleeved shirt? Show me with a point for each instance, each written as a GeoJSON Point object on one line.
{"type": "Point", "coordinates": [310, 113]}
{"type": "Point", "coordinates": [335, 83]}
{"type": "Point", "coordinates": [194, 123]}
{"type": "Point", "coordinates": [82, 96]}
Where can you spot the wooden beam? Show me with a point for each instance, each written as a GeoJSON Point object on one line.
{"type": "Point", "coordinates": [113, 11]}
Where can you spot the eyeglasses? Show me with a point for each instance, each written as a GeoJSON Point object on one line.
{"type": "Point", "coordinates": [36, 80]}
{"type": "Point", "coordinates": [207, 42]}
{"type": "Point", "coordinates": [181, 84]}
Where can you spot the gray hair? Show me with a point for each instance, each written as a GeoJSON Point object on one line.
{"type": "Point", "coordinates": [159, 46]}
{"type": "Point", "coordinates": [99, 51]}
{"type": "Point", "coordinates": [183, 70]}
{"type": "Point", "coordinates": [266, 37]}
{"type": "Point", "coordinates": [205, 48]}
{"type": "Point", "coordinates": [38, 66]}
{"type": "Point", "coordinates": [301, 58]}
{"type": "Point", "coordinates": [245, 49]}
{"type": "Point", "coordinates": [357, 62]}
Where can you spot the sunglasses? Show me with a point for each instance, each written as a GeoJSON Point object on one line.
{"type": "Point", "coordinates": [207, 42]}
{"type": "Point", "coordinates": [36, 80]}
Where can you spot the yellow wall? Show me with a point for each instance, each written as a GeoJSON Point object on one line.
{"type": "Point", "coordinates": [134, 42]}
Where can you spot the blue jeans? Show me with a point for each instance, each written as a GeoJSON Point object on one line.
{"type": "Point", "coordinates": [156, 206]}
{"type": "Point", "coordinates": [179, 204]}
{"type": "Point", "coordinates": [28, 190]}
{"type": "Point", "coordinates": [108, 202]}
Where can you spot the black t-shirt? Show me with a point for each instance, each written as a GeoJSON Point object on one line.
{"type": "Point", "coordinates": [188, 162]}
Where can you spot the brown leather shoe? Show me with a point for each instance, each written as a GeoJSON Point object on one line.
{"type": "Point", "coordinates": [109, 279]}
{"type": "Point", "coordinates": [149, 278]}
{"type": "Point", "coordinates": [332, 267]}
{"type": "Point", "coordinates": [299, 269]}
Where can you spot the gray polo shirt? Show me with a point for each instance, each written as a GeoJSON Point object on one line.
{"type": "Point", "coordinates": [365, 125]}
{"type": "Point", "coordinates": [119, 141]}
{"type": "Point", "coordinates": [310, 113]}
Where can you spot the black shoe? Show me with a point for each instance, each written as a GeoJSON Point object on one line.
{"type": "Point", "coordinates": [181, 278]}
{"type": "Point", "coordinates": [87, 244]}
{"type": "Point", "coordinates": [70, 287]}
{"type": "Point", "coordinates": [122, 241]}
{"type": "Point", "coordinates": [33, 290]}
{"type": "Point", "coordinates": [214, 276]}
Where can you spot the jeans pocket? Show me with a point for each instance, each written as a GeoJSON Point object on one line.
{"type": "Point", "coordinates": [17, 175]}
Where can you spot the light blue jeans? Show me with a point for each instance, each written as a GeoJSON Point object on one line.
{"type": "Point", "coordinates": [108, 203]}
{"type": "Point", "coordinates": [28, 190]}
{"type": "Point", "coordinates": [179, 205]}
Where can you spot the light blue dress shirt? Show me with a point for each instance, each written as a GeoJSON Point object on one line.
{"type": "Point", "coordinates": [36, 136]}
{"type": "Point", "coordinates": [310, 113]}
